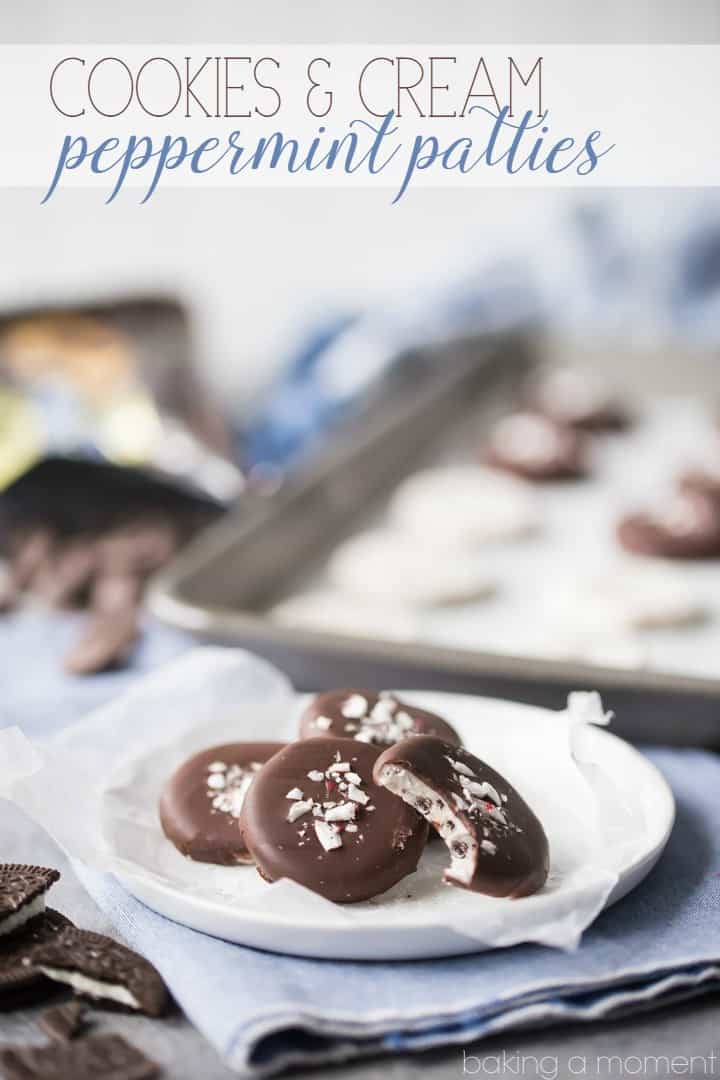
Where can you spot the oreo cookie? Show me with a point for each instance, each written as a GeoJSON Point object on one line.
{"type": "Point", "coordinates": [20, 981]}
{"type": "Point", "coordinates": [101, 969]}
{"type": "Point", "coordinates": [99, 1057]}
{"type": "Point", "coordinates": [22, 894]}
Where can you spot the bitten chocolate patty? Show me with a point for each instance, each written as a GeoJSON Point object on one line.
{"type": "Point", "coordinates": [22, 894]}
{"type": "Point", "coordinates": [497, 845]}
{"type": "Point", "coordinates": [314, 815]}
{"type": "Point", "coordinates": [377, 718]}
{"type": "Point", "coordinates": [201, 802]}
{"type": "Point", "coordinates": [536, 448]}
{"type": "Point", "coordinates": [687, 528]}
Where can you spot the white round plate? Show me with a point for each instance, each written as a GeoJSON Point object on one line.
{"type": "Point", "coordinates": [411, 921]}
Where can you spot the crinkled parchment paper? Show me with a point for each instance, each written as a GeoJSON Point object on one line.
{"type": "Point", "coordinates": [95, 788]}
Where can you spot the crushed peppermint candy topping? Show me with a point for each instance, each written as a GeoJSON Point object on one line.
{"type": "Point", "coordinates": [343, 812]}
{"type": "Point", "coordinates": [355, 707]}
{"type": "Point", "coordinates": [488, 847]}
{"type": "Point", "coordinates": [335, 815]}
{"type": "Point", "coordinates": [323, 722]}
{"type": "Point", "coordinates": [327, 835]}
{"type": "Point", "coordinates": [386, 723]}
{"type": "Point", "coordinates": [299, 809]}
{"type": "Point", "coordinates": [477, 795]}
{"type": "Point", "coordinates": [460, 768]}
{"type": "Point", "coordinates": [227, 785]}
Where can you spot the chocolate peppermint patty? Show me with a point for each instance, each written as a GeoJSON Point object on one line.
{"type": "Point", "coordinates": [22, 894]}
{"type": "Point", "coordinates": [497, 845]}
{"type": "Point", "coordinates": [20, 981]}
{"type": "Point", "coordinates": [201, 802]}
{"type": "Point", "coordinates": [380, 719]}
{"type": "Point", "coordinates": [315, 816]}
{"type": "Point", "coordinates": [687, 527]}
{"type": "Point", "coordinates": [97, 967]}
{"type": "Point", "coordinates": [536, 448]}
{"type": "Point", "coordinates": [99, 1057]}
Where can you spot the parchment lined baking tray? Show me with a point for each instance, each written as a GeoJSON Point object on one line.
{"type": "Point", "coordinates": [222, 587]}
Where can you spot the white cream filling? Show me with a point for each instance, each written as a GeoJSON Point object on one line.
{"type": "Point", "coordinates": [462, 846]}
{"type": "Point", "coordinates": [25, 914]}
{"type": "Point", "coordinates": [95, 988]}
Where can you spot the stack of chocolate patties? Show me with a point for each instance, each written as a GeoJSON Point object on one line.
{"type": "Point", "coordinates": [76, 534]}
{"type": "Point", "coordinates": [43, 954]}
{"type": "Point", "coordinates": [345, 809]}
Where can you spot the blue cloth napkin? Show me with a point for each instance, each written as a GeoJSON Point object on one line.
{"type": "Point", "coordinates": [264, 1012]}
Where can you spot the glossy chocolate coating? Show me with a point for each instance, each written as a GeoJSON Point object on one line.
{"type": "Point", "coordinates": [512, 855]}
{"type": "Point", "coordinates": [201, 819]}
{"type": "Point", "coordinates": [377, 846]}
{"type": "Point", "coordinates": [380, 719]}
{"type": "Point", "coordinates": [535, 448]}
{"type": "Point", "coordinates": [688, 528]}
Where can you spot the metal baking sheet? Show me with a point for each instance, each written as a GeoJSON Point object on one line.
{"type": "Point", "coordinates": [223, 586]}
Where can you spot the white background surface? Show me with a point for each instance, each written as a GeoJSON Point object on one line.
{"type": "Point", "coordinates": [256, 267]}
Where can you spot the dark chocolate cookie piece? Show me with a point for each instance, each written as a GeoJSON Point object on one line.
{"type": "Point", "coordinates": [99, 968]}
{"type": "Point", "coordinates": [497, 845]}
{"type": "Point", "coordinates": [380, 719]}
{"type": "Point", "coordinates": [201, 802]}
{"type": "Point", "coordinates": [64, 1022]}
{"type": "Point", "coordinates": [314, 815]}
{"type": "Point", "coordinates": [22, 893]}
{"type": "Point", "coordinates": [688, 527]}
{"type": "Point", "coordinates": [99, 1057]}
{"type": "Point", "coordinates": [534, 447]}
{"type": "Point", "coordinates": [20, 981]}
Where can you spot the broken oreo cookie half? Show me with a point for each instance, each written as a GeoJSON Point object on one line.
{"type": "Point", "coordinates": [497, 845]}
{"type": "Point", "coordinates": [20, 981]}
{"type": "Point", "coordinates": [101, 969]}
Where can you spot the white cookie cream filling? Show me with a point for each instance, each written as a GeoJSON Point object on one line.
{"type": "Point", "coordinates": [25, 914]}
{"type": "Point", "coordinates": [95, 988]}
{"type": "Point", "coordinates": [462, 846]}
